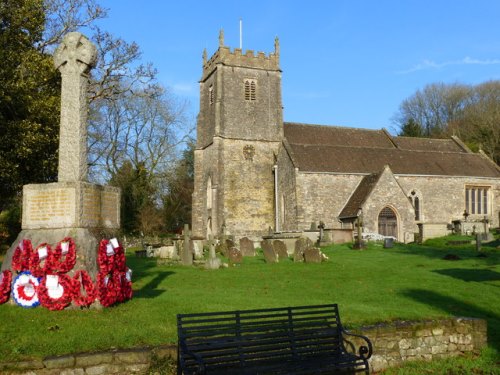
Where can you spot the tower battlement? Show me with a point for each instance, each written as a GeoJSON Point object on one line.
{"type": "Point", "coordinates": [237, 58]}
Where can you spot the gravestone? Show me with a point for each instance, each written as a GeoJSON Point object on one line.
{"type": "Point", "coordinates": [212, 263]}
{"type": "Point", "coordinates": [234, 256]}
{"type": "Point", "coordinates": [269, 254]}
{"type": "Point", "coordinates": [313, 255]}
{"type": "Point", "coordinates": [186, 254]}
{"type": "Point", "coordinates": [301, 245]}
{"type": "Point", "coordinates": [71, 207]}
{"type": "Point", "coordinates": [230, 243]}
{"type": "Point", "coordinates": [280, 249]}
{"type": "Point", "coordinates": [246, 247]}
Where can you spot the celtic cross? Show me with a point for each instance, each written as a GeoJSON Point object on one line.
{"type": "Point", "coordinates": [74, 58]}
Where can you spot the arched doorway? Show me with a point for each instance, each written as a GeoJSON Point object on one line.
{"type": "Point", "coordinates": [388, 222]}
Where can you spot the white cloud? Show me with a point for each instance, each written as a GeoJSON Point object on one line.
{"type": "Point", "coordinates": [429, 64]}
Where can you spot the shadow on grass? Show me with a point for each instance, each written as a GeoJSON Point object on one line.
{"type": "Point", "coordinates": [457, 307]}
{"type": "Point", "coordinates": [467, 274]}
{"type": "Point", "coordinates": [146, 268]}
{"type": "Point", "coordinates": [488, 256]}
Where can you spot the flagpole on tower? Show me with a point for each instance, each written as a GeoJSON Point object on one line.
{"type": "Point", "coordinates": [241, 34]}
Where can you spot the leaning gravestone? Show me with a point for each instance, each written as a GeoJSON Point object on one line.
{"type": "Point", "coordinates": [312, 255]}
{"type": "Point", "coordinates": [301, 245]}
{"type": "Point", "coordinates": [280, 249]}
{"type": "Point", "coordinates": [234, 256]}
{"type": "Point", "coordinates": [269, 254]}
{"type": "Point", "coordinates": [71, 209]}
{"type": "Point", "coordinates": [246, 247]}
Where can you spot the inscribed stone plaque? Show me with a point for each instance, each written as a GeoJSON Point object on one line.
{"type": "Point", "coordinates": [234, 256]}
{"type": "Point", "coordinates": [280, 249]}
{"type": "Point", "coordinates": [269, 253]}
{"type": "Point", "coordinates": [246, 247]}
{"type": "Point", "coordinates": [312, 255]}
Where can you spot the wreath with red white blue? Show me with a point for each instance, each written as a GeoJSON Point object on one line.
{"type": "Point", "coordinates": [24, 290]}
{"type": "Point", "coordinates": [5, 285]}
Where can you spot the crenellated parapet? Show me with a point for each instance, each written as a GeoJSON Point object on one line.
{"type": "Point", "coordinates": [237, 58]}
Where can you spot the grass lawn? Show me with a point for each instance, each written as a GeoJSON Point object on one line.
{"type": "Point", "coordinates": [405, 282]}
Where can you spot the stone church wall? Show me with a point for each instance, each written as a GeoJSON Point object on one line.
{"type": "Point", "coordinates": [443, 199]}
{"type": "Point", "coordinates": [321, 197]}
{"type": "Point", "coordinates": [388, 193]}
{"type": "Point", "coordinates": [247, 196]}
{"type": "Point", "coordinates": [287, 191]}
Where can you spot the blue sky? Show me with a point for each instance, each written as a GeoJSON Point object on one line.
{"type": "Point", "coordinates": [348, 63]}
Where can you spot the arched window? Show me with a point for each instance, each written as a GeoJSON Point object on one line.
{"type": "Point", "coordinates": [417, 208]}
{"type": "Point", "coordinates": [250, 89]}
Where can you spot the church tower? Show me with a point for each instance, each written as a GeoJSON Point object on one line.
{"type": "Point", "coordinates": [239, 131]}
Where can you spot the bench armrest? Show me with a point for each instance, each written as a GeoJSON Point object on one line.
{"type": "Point", "coordinates": [198, 358]}
{"type": "Point", "coordinates": [365, 351]}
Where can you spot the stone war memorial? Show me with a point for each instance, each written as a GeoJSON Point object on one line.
{"type": "Point", "coordinates": [67, 254]}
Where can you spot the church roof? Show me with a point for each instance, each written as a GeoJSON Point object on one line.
{"type": "Point", "coordinates": [347, 150]}
{"type": "Point", "coordinates": [359, 196]}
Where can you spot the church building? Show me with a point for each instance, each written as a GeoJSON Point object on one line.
{"type": "Point", "coordinates": [255, 173]}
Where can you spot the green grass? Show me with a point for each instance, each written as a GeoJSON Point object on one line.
{"type": "Point", "coordinates": [405, 282]}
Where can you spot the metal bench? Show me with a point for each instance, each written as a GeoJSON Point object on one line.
{"type": "Point", "coordinates": [290, 340]}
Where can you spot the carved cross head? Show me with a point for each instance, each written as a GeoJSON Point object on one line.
{"type": "Point", "coordinates": [76, 54]}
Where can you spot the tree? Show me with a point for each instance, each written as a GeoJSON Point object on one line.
{"type": "Point", "coordinates": [177, 200]}
{"type": "Point", "coordinates": [433, 108]}
{"type": "Point", "coordinates": [29, 100]}
{"type": "Point", "coordinates": [411, 129]}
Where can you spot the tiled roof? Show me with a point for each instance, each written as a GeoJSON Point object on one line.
{"type": "Point", "coordinates": [359, 196]}
{"type": "Point", "coordinates": [346, 150]}
{"type": "Point", "coordinates": [427, 144]}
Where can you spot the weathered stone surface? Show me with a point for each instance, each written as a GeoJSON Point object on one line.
{"type": "Point", "coordinates": [59, 362]}
{"type": "Point", "coordinates": [235, 256]}
{"type": "Point", "coordinates": [133, 356]}
{"type": "Point", "coordinates": [280, 249]}
{"type": "Point", "coordinates": [301, 245]}
{"type": "Point", "coordinates": [86, 360]}
{"type": "Point", "coordinates": [74, 58]}
{"type": "Point", "coordinates": [269, 254]}
{"type": "Point", "coordinates": [312, 255]}
{"type": "Point", "coordinates": [72, 371]}
{"type": "Point", "coordinates": [246, 247]}
{"type": "Point", "coordinates": [98, 370]}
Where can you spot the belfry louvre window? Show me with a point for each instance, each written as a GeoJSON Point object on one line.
{"type": "Point", "coordinates": [250, 89]}
{"type": "Point", "coordinates": [476, 200]}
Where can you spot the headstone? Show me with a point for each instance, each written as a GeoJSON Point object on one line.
{"type": "Point", "coordinates": [197, 249]}
{"type": "Point", "coordinates": [280, 249]}
{"type": "Point", "coordinates": [213, 263]}
{"type": "Point", "coordinates": [246, 247]}
{"type": "Point", "coordinates": [269, 254]}
{"type": "Point", "coordinates": [167, 252]}
{"type": "Point", "coordinates": [234, 256]}
{"type": "Point", "coordinates": [230, 243]}
{"type": "Point", "coordinates": [186, 255]}
{"type": "Point", "coordinates": [312, 255]}
{"type": "Point", "coordinates": [301, 245]}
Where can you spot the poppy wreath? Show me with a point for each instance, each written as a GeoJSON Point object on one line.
{"type": "Point", "coordinates": [126, 285]}
{"type": "Point", "coordinates": [5, 284]}
{"type": "Point", "coordinates": [56, 299]}
{"type": "Point", "coordinates": [82, 281]}
{"type": "Point", "coordinates": [105, 260]}
{"type": "Point", "coordinates": [63, 266]}
{"type": "Point", "coordinates": [35, 266]}
{"type": "Point", "coordinates": [119, 259]}
{"type": "Point", "coordinates": [24, 290]}
{"type": "Point", "coordinates": [108, 288]}
{"type": "Point", "coordinates": [22, 255]}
